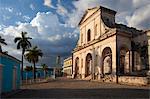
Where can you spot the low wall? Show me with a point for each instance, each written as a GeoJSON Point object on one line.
{"type": "Point", "coordinates": [132, 80]}
{"type": "Point", "coordinates": [129, 80]}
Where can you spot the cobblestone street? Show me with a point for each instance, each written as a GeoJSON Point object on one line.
{"type": "Point", "coordinates": [69, 88]}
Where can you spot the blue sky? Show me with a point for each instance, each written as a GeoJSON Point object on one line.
{"type": "Point", "coordinates": [53, 24]}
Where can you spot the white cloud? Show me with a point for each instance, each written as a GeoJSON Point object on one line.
{"type": "Point", "coordinates": [9, 9]}
{"type": "Point", "coordinates": [140, 18]}
{"type": "Point", "coordinates": [55, 38]}
{"type": "Point", "coordinates": [134, 13]}
{"type": "Point", "coordinates": [48, 3]}
{"type": "Point", "coordinates": [47, 23]}
{"type": "Point", "coordinates": [80, 7]}
{"type": "Point", "coordinates": [32, 7]}
{"type": "Point", "coordinates": [18, 23]}
{"type": "Point", "coordinates": [18, 13]}
{"type": "Point", "coordinates": [2, 26]}
{"type": "Point", "coordinates": [60, 37]}
{"type": "Point", "coordinates": [61, 10]}
{"type": "Point", "coordinates": [47, 32]}
{"type": "Point", "coordinates": [6, 17]}
{"type": "Point", "coordinates": [26, 18]}
{"type": "Point", "coordinates": [139, 3]}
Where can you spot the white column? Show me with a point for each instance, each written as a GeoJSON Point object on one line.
{"type": "Point", "coordinates": [101, 64]}
{"type": "Point", "coordinates": [83, 69]}
{"type": "Point", "coordinates": [93, 64]}
{"type": "Point", "coordinates": [90, 67]}
{"type": "Point", "coordinates": [127, 62]}
{"type": "Point", "coordinates": [130, 62]}
{"type": "Point", "coordinates": [73, 71]}
{"type": "Point", "coordinates": [0, 79]}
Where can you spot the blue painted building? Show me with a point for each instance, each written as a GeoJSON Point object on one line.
{"type": "Point", "coordinates": [10, 72]}
{"type": "Point", "coordinates": [39, 73]}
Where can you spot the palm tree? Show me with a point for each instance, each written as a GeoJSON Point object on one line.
{"type": "Point", "coordinates": [28, 68]}
{"type": "Point", "coordinates": [2, 41]}
{"type": "Point", "coordinates": [32, 56]}
{"type": "Point", "coordinates": [44, 68]}
{"type": "Point", "coordinates": [23, 43]}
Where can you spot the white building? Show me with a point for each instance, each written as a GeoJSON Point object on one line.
{"type": "Point", "coordinates": [110, 52]}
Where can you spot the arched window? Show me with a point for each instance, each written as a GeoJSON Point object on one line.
{"type": "Point", "coordinates": [89, 35]}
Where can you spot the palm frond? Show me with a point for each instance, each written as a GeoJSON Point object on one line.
{"type": "Point", "coordinates": [28, 38]}
{"type": "Point", "coordinates": [2, 41]}
{"type": "Point", "coordinates": [23, 34]}
{"type": "Point", "coordinates": [29, 44]}
{"type": "Point", "coordinates": [17, 39]}
{"type": "Point", "coordinates": [19, 45]}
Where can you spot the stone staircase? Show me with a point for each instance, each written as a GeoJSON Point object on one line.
{"type": "Point", "coordinates": [107, 78]}
{"type": "Point", "coordinates": [88, 78]}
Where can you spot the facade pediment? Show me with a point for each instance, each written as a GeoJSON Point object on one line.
{"type": "Point", "coordinates": [88, 13]}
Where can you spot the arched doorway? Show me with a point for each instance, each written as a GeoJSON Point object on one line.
{"type": "Point", "coordinates": [76, 67]}
{"type": "Point", "coordinates": [124, 60]}
{"type": "Point", "coordinates": [107, 61]}
{"type": "Point", "coordinates": [88, 68]}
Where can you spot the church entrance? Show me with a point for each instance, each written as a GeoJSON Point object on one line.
{"type": "Point", "coordinates": [88, 68]}
{"type": "Point", "coordinates": [77, 67]}
{"type": "Point", "coordinates": [107, 61]}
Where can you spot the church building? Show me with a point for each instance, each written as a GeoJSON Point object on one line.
{"type": "Point", "coordinates": [110, 52]}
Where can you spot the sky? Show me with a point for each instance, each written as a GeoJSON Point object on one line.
{"type": "Point", "coordinates": [53, 24]}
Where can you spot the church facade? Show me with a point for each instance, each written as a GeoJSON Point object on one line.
{"type": "Point", "coordinates": [110, 52]}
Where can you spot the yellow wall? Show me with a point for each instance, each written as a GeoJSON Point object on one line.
{"type": "Point", "coordinates": [67, 67]}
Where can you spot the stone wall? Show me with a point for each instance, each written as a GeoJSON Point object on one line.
{"type": "Point", "coordinates": [132, 80]}
{"type": "Point", "coordinates": [128, 80]}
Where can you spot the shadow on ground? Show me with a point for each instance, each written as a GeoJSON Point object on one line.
{"type": "Point", "coordinates": [101, 93]}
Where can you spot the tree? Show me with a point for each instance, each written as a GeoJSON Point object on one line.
{"type": "Point", "coordinates": [32, 56]}
{"type": "Point", "coordinates": [22, 43]}
{"type": "Point", "coordinates": [44, 68]}
{"type": "Point", "coordinates": [28, 68]}
{"type": "Point", "coordinates": [2, 41]}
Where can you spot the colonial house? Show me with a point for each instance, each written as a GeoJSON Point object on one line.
{"type": "Point", "coordinates": [67, 67]}
{"type": "Point", "coordinates": [40, 73]}
{"type": "Point", "coordinates": [9, 73]}
{"type": "Point", "coordinates": [110, 52]}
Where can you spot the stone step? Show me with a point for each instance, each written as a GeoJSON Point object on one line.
{"type": "Point", "coordinates": [88, 77]}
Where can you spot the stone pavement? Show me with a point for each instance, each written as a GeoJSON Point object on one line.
{"type": "Point", "coordinates": [68, 88]}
